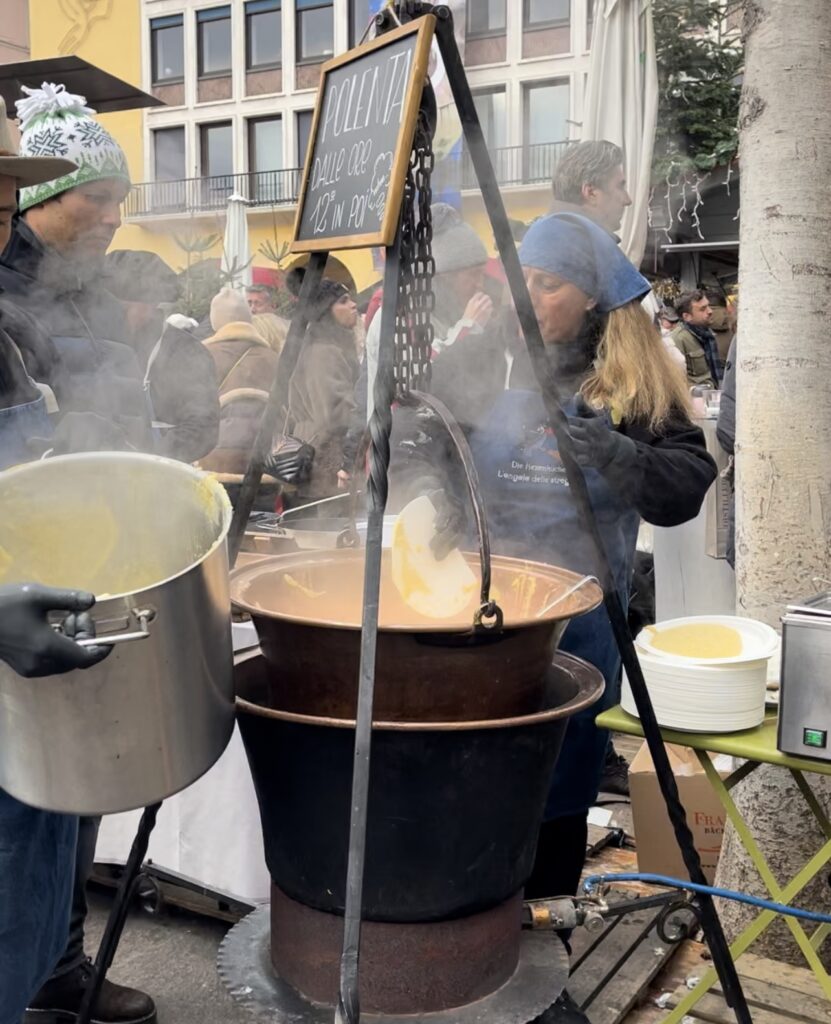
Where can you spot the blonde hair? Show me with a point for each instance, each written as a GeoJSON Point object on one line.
{"type": "Point", "coordinates": [634, 376]}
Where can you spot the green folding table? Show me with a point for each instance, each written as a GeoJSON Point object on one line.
{"type": "Point", "coordinates": [755, 747]}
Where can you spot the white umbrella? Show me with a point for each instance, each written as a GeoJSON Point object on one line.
{"type": "Point", "coordinates": [236, 257]}
{"type": "Point", "coordinates": [622, 102]}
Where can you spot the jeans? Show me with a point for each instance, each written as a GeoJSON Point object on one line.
{"type": "Point", "coordinates": [74, 954]}
{"type": "Point", "coordinates": [37, 863]}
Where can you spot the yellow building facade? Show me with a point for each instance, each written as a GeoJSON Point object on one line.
{"type": "Point", "coordinates": [205, 61]}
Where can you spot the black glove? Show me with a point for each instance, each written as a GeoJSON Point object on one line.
{"type": "Point", "coordinates": [593, 444]}
{"type": "Point", "coordinates": [83, 432]}
{"type": "Point", "coordinates": [291, 463]}
{"type": "Point", "coordinates": [450, 523]}
{"type": "Point", "coordinates": [27, 641]}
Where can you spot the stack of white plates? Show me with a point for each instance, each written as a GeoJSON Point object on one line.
{"type": "Point", "coordinates": [706, 694]}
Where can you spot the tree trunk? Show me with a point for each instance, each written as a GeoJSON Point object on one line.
{"type": "Point", "coordinates": [783, 427]}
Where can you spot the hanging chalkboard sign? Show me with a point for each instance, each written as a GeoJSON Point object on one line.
{"type": "Point", "coordinates": [360, 143]}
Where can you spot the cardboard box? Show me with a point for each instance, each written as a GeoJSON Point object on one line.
{"type": "Point", "coordinates": [657, 848]}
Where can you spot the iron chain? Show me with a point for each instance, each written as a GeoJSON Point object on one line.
{"type": "Point", "coordinates": [414, 310]}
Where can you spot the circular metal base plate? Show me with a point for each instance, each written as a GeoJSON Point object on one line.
{"type": "Point", "coordinates": [244, 965]}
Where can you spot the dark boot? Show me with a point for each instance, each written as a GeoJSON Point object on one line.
{"type": "Point", "coordinates": [564, 1011]}
{"type": "Point", "coordinates": [59, 1001]}
{"type": "Point", "coordinates": [615, 777]}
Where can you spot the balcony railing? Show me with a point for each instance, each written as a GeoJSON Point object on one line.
{"type": "Point", "coordinates": [197, 195]}
{"type": "Point", "coordinates": [514, 165]}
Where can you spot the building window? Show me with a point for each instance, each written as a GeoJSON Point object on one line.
{"type": "Point", "coordinates": [265, 144]}
{"type": "Point", "coordinates": [360, 12]}
{"type": "Point", "coordinates": [169, 154]}
{"type": "Point", "coordinates": [304, 130]}
{"type": "Point", "coordinates": [216, 149]}
{"type": "Point", "coordinates": [167, 49]}
{"type": "Point", "coordinates": [546, 13]}
{"type": "Point", "coordinates": [545, 115]}
{"type": "Point", "coordinates": [213, 41]}
{"type": "Point", "coordinates": [490, 106]}
{"type": "Point", "coordinates": [315, 27]}
{"type": "Point", "coordinates": [486, 17]}
{"type": "Point", "coordinates": [263, 34]}
{"type": "Point", "coordinates": [546, 112]}
{"type": "Point", "coordinates": [268, 182]}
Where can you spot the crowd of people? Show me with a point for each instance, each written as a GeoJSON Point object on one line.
{"type": "Point", "coordinates": [91, 357]}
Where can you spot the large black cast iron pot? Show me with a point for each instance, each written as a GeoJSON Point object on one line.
{"type": "Point", "coordinates": [454, 807]}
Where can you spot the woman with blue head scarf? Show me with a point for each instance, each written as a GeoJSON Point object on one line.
{"type": "Point", "coordinates": [630, 432]}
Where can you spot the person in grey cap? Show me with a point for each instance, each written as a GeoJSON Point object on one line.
{"type": "Point", "coordinates": [468, 346]}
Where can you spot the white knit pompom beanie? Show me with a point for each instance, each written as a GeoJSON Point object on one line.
{"type": "Point", "coordinates": [54, 122]}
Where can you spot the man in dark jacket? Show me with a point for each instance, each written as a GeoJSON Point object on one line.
{"type": "Point", "coordinates": [695, 341]}
{"type": "Point", "coordinates": [37, 848]}
{"type": "Point", "coordinates": [52, 263]}
{"type": "Point", "coordinates": [178, 372]}
{"type": "Point", "coordinates": [51, 268]}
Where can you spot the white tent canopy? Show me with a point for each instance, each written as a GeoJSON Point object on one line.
{"type": "Point", "coordinates": [622, 102]}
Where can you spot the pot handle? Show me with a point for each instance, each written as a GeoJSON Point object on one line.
{"type": "Point", "coordinates": [144, 616]}
{"type": "Point", "coordinates": [488, 615]}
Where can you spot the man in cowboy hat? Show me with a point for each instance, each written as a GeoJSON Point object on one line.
{"type": "Point", "coordinates": [37, 848]}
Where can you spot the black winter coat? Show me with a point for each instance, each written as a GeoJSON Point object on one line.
{"type": "Point", "coordinates": [182, 389]}
{"type": "Point", "coordinates": [93, 368]}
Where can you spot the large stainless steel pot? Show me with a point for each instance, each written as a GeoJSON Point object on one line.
{"type": "Point", "coordinates": [273, 534]}
{"type": "Point", "coordinates": [147, 536]}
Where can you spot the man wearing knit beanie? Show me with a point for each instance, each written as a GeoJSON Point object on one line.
{"type": "Point", "coordinates": [52, 264]}
{"type": "Point", "coordinates": [244, 367]}
{"type": "Point", "coordinates": [229, 307]}
{"type": "Point", "coordinates": [53, 122]}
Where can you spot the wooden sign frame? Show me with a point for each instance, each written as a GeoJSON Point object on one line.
{"type": "Point", "coordinates": [424, 28]}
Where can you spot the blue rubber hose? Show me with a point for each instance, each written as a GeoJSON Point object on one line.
{"type": "Point", "coordinates": [710, 890]}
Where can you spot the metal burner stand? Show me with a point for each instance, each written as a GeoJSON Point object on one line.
{"type": "Point", "coordinates": [244, 965]}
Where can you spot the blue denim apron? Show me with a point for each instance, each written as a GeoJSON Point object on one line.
{"type": "Point", "coordinates": [37, 867]}
{"type": "Point", "coordinates": [532, 515]}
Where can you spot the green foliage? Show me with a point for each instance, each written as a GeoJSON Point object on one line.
{"type": "Point", "coordinates": [277, 252]}
{"type": "Point", "coordinates": [202, 277]}
{"type": "Point", "coordinates": [199, 279]}
{"type": "Point", "coordinates": [699, 74]}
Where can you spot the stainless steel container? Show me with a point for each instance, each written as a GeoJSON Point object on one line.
{"type": "Point", "coordinates": [147, 536]}
{"type": "Point", "coordinates": [805, 697]}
